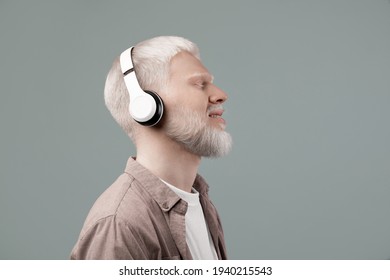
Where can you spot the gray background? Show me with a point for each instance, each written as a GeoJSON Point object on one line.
{"type": "Point", "coordinates": [309, 88]}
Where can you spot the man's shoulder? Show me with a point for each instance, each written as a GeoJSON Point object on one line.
{"type": "Point", "coordinates": [125, 200]}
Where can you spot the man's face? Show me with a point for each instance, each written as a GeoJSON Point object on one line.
{"type": "Point", "coordinates": [194, 108]}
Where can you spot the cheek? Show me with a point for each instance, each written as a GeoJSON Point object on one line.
{"type": "Point", "coordinates": [186, 97]}
{"type": "Point", "coordinates": [188, 103]}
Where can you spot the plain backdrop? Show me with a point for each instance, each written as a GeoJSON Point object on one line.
{"type": "Point", "coordinates": [308, 109]}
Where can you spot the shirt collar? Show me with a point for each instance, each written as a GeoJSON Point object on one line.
{"type": "Point", "coordinates": [161, 193]}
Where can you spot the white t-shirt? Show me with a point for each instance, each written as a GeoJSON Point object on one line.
{"type": "Point", "coordinates": [197, 233]}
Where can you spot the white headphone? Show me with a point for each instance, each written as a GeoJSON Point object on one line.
{"type": "Point", "coordinates": [146, 107]}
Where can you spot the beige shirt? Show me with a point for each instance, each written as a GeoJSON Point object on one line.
{"type": "Point", "coordinates": [139, 217]}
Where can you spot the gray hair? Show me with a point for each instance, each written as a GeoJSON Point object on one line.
{"type": "Point", "coordinates": [151, 59]}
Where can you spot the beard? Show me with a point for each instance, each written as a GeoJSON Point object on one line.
{"type": "Point", "coordinates": [193, 131]}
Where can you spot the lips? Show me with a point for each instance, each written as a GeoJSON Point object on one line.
{"type": "Point", "coordinates": [216, 114]}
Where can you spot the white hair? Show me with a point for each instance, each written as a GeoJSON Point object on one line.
{"type": "Point", "coordinates": [151, 60]}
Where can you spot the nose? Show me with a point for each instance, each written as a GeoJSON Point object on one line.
{"type": "Point", "coordinates": [217, 95]}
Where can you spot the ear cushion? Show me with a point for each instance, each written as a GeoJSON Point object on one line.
{"type": "Point", "coordinates": [158, 112]}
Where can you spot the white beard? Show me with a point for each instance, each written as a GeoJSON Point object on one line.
{"type": "Point", "coordinates": [192, 130]}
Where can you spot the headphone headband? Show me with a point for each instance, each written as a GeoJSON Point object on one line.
{"type": "Point", "coordinates": [129, 74]}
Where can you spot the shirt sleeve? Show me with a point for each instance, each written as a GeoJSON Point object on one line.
{"type": "Point", "coordinates": [110, 239]}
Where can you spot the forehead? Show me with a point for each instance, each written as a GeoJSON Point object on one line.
{"type": "Point", "coordinates": [185, 65]}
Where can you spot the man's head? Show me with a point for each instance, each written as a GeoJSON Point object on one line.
{"type": "Point", "coordinates": [171, 67]}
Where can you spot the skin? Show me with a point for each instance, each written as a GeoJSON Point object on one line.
{"type": "Point", "coordinates": [190, 85]}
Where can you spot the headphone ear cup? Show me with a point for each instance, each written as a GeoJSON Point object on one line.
{"type": "Point", "coordinates": [148, 109]}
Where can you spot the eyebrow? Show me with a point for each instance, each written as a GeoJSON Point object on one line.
{"type": "Point", "coordinates": [204, 76]}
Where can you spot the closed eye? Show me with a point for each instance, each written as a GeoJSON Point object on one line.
{"type": "Point", "coordinates": [201, 80]}
{"type": "Point", "coordinates": [201, 85]}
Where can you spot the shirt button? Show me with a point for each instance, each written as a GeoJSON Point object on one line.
{"type": "Point", "coordinates": [165, 206]}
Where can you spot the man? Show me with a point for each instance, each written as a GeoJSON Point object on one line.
{"type": "Point", "coordinates": [159, 207]}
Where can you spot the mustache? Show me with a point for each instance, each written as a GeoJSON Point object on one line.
{"type": "Point", "coordinates": [215, 107]}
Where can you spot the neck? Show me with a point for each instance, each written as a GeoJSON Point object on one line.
{"type": "Point", "coordinates": [167, 159]}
